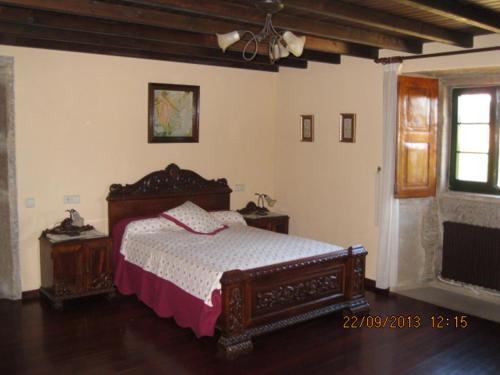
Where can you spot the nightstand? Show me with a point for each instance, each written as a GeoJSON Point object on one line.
{"type": "Point", "coordinates": [272, 221]}
{"type": "Point", "coordinates": [76, 267]}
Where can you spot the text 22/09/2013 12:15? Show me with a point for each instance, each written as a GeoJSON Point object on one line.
{"type": "Point", "coordinates": [404, 321]}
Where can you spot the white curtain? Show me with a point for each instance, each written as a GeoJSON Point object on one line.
{"type": "Point", "coordinates": [388, 245]}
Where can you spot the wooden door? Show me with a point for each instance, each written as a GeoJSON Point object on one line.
{"type": "Point", "coordinates": [98, 265]}
{"type": "Point", "coordinates": [68, 269]}
{"type": "Point", "coordinates": [417, 137]}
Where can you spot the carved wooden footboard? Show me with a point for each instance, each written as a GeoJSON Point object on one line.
{"type": "Point", "coordinates": [267, 298]}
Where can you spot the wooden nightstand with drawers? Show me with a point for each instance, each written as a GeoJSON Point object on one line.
{"type": "Point", "coordinates": [272, 221]}
{"type": "Point", "coordinates": [75, 268]}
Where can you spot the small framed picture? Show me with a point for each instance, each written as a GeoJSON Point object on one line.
{"type": "Point", "coordinates": [348, 127]}
{"type": "Point", "coordinates": [173, 113]}
{"type": "Point", "coordinates": [307, 124]}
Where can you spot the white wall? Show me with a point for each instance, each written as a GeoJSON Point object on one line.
{"type": "Point", "coordinates": [465, 61]}
{"type": "Point", "coordinates": [326, 186]}
{"type": "Point", "coordinates": [81, 124]}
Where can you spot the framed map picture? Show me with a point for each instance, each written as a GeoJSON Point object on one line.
{"type": "Point", "coordinates": [173, 113]}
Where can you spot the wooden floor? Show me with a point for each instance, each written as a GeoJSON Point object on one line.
{"type": "Point", "coordinates": [123, 336]}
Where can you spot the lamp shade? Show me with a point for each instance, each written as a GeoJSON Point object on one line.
{"type": "Point", "coordinates": [295, 44]}
{"type": "Point", "coordinates": [274, 52]}
{"type": "Point", "coordinates": [283, 50]}
{"type": "Point", "coordinates": [270, 201]}
{"type": "Point", "coordinates": [226, 40]}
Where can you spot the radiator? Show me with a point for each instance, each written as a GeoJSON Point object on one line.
{"type": "Point", "coordinates": [471, 254]}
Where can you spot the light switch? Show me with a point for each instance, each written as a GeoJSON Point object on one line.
{"type": "Point", "coordinates": [71, 199]}
{"type": "Point", "coordinates": [30, 203]}
{"type": "Point", "coordinates": [239, 187]}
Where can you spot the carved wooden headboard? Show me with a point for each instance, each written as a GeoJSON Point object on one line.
{"type": "Point", "coordinates": [165, 189]}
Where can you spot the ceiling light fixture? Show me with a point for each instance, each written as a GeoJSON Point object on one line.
{"type": "Point", "coordinates": [280, 44]}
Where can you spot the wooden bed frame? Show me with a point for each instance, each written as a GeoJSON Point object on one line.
{"type": "Point", "coordinates": [257, 300]}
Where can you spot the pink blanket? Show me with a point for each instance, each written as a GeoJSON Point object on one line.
{"type": "Point", "coordinates": [164, 297]}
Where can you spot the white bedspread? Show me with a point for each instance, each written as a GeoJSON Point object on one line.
{"type": "Point", "coordinates": [196, 262]}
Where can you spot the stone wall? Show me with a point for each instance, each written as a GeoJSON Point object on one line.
{"type": "Point", "coordinates": [419, 240]}
{"type": "Point", "coordinates": [421, 230]}
{"type": "Point", "coordinates": [10, 279]}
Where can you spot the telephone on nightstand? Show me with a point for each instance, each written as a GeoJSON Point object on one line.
{"type": "Point", "coordinates": [71, 226]}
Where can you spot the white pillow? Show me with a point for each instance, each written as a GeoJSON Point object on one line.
{"type": "Point", "coordinates": [229, 218]}
{"type": "Point", "coordinates": [151, 225]}
{"type": "Point", "coordinates": [194, 219]}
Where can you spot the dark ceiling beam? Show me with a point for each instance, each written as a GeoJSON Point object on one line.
{"type": "Point", "coordinates": [463, 13]}
{"type": "Point", "coordinates": [320, 57]}
{"type": "Point", "coordinates": [127, 14]}
{"type": "Point", "coordinates": [251, 15]}
{"type": "Point", "coordinates": [79, 23]}
{"type": "Point", "coordinates": [55, 35]}
{"type": "Point", "coordinates": [337, 10]}
{"type": "Point", "coordinates": [312, 43]}
{"type": "Point", "coordinates": [102, 27]}
{"type": "Point", "coordinates": [13, 40]}
{"type": "Point", "coordinates": [343, 48]}
{"type": "Point", "coordinates": [171, 20]}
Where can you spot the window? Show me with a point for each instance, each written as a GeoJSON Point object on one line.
{"type": "Point", "coordinates": [474, 159]}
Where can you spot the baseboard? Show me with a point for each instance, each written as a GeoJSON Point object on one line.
{"type": "Point", "coordinates": [30, 295]}
{"type": "Point", "coordinates": [372, 287]}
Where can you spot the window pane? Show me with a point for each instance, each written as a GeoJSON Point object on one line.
{"type": "Point", "coordinates": [474, 138]}
{"type": "Point", "coordinates": [472, 167]}
{"type": "Point", "coordinates": [473, 108]}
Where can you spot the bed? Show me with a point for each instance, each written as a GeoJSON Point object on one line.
{"type": "Point", "coordinates": [250, 301]}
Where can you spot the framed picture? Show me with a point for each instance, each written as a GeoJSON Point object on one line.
{"type": "Point", "coordinates": [173, 112]}
{"type": "Point", "coordinates": [348, 127]}
{"type": "Point", "coordinates": [307, 125]}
